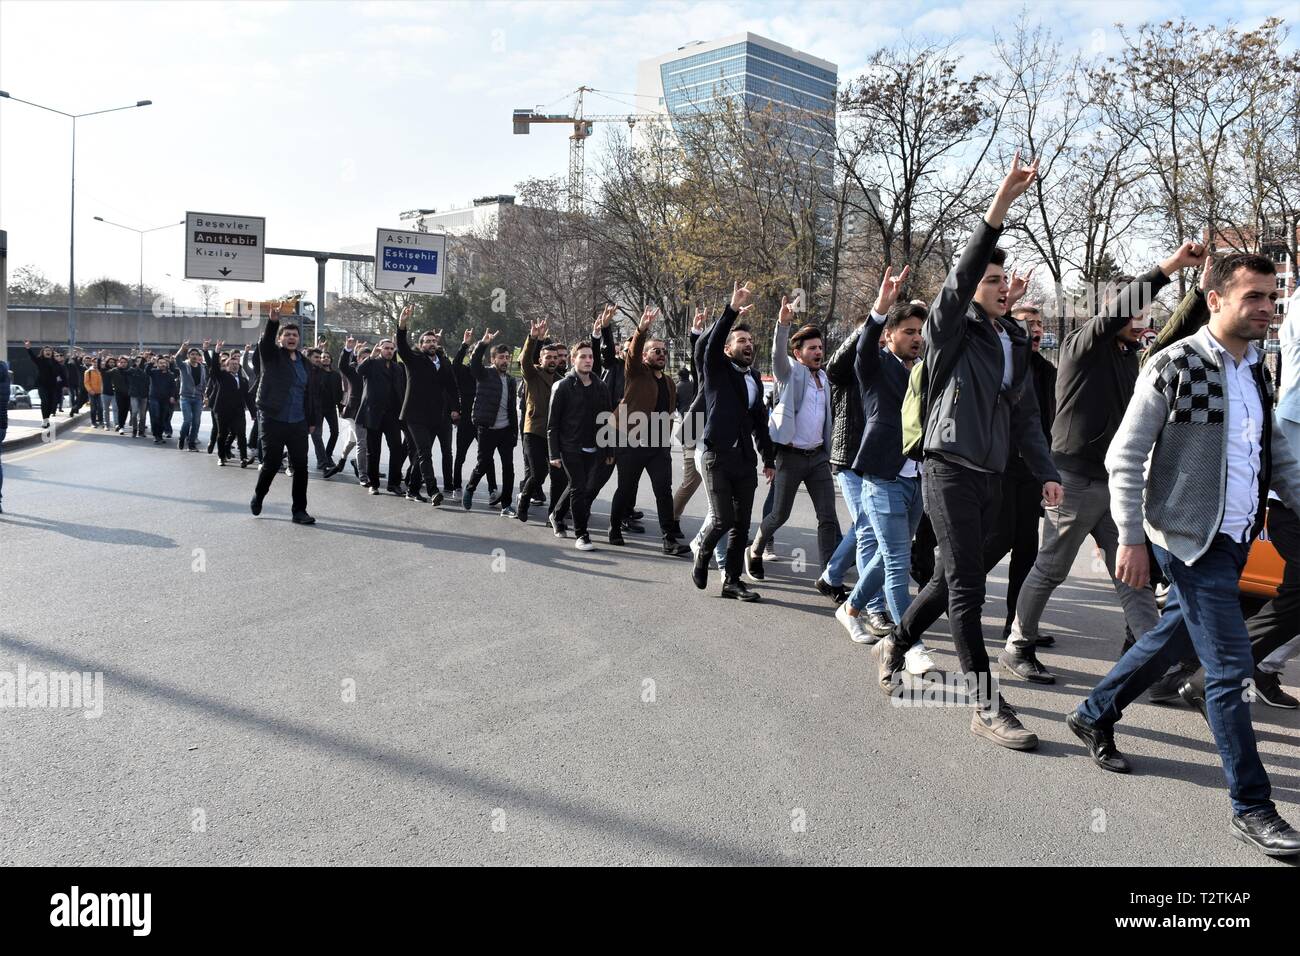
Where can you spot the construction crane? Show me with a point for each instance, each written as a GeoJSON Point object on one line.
{"type": "Point", "coordinates": [525, 118]}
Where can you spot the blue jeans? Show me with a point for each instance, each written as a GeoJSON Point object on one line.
{"type": "Point", "coordinates": [859, 544]}
{"type": "Point", "coordinates": [850, 483]}
{"type": "Point", "coordinates": [893, 510]}
{"type": "Point", "coordinates": [191, 414]}
{"type": "Point", "coordinates": [1202, 614]}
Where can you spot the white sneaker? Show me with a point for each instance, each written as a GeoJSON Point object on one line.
{"type": "Point", "coordinates": [584, 543]}
{"type": "Point", "coordinates": [769, 552]}
{"type": "Point", "coordinates": [858, 632]}
{"type": "Point", "coordinates": [917, 660]}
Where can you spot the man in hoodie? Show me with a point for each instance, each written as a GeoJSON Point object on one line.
{"type": "Point", "coordinates": [1096, 374]}
{"type": "Point", "coordinates": [976, 368]}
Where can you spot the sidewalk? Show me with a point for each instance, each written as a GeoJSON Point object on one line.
{"type": "Point", "coordinates": [25, 426]}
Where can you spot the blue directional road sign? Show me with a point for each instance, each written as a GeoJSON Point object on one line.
{"type": "Point", "coordinates": [410, 261]}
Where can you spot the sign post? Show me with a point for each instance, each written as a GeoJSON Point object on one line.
{"type": "Point", "coordinates": [225, 248]}
{"type": "Point", "coordinates": [410, 261]}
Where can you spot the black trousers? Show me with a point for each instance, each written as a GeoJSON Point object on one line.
{"type": "Point", "coordinates": [420, 447]}
{"type": "Point", "coordinates": [230, 429]}
{"type": "Point", "coordinates": [1016, 532]}
{"type": "Point", "coordinates": [389, 431]}
{"type": "Point", "coordinates": [536, 467]}
{"type": "Point", "coordinates": [1279, 620]}
{"type": "Point", "coordinates": [277, 439]}
{"type": "Point", "coordinates": [325, 452]}
{"type": "Point", "coordinates": [582, 469]}
{"type": "Point", "coordinates": [963, 505]}
{"type": "Point", "coordinates": [215, 430]}
{"type": "Point", "coordinates": [491, 441]}
{"type": "Point", "coordinates": [466, 435]}
{"type": "Point", "coordinates": [629, 463]}
{"type": "Point", "coordinates": [123, 408]}
{"type": "Point", "coordinates": [730, 481]}
{"type": "Point", "coordinates": [96, 409]}
{"type": "Point", "coordinates": [49, 401]}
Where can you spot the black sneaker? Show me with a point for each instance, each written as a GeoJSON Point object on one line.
{"type": "Point", "coordinates": [616, 537]}
{"type": "Point", "coordinates": [1268, 688]}
{"type": "Point", "coordinates": [414, 495]}
{"type": "Point", "coordinates": [674, 548]}
{"type": "Point", "coordinates": [1002, 727]}
{"type": "Point", "coordinates": [301, 517]}
{"type": "Point", "coordinates": [255, 505]}
{"type": "Point", "coordinates": [436, 499]}
{"type": "Point", "coordinates": [753, 565]}
{"type": "Point", "coordinates": [1101, 743]}
{"type": "Point", "coordinates": [1024, 663]}
{"type": "Point", "coordinates": [737, 590]}
{"type": "Point", "coordinates": [1267, 832]}
{"type": "Point", "coordinates": [467, 499]}
{"type": "Point", "coordinates": [633, 527]}
{"type": "Point", "coordinates": [837, 593]}
{"type": "Point", "coordinates": [180, 444]}
{"type": "Point", "coordinates": [635, 514]}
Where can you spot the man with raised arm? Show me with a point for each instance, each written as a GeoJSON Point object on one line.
{"type": "Point", "coordinates": [976, 368]}
{"type": "Point", "coordinates": [285, 399]}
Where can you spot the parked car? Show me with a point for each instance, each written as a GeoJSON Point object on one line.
{"type": "Point", "coordinates": [19, 398]}
{"type": "Point", "coordinates": [1048, 341]}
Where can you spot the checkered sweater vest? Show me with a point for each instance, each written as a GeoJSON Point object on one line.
{"type": "Point", "coordinates": [1168, 461]}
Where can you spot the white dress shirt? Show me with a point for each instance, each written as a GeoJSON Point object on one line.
{"type": "Point", "coordinates": [1245, 425]}
{"type": "Point", "coordinates": [810, 420]}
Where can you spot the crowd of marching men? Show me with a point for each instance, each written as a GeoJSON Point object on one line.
{"type": "Point", "coordinates": [950, 440]}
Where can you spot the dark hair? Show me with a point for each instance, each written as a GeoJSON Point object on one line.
{"type": "Point", "coordinates": [427, 332]}
{"type": "Point", "coordinates": [578, 347]}
{"type": "Point", "coordinates": [498, 349]}
{"type": "Point", "coordinates": [192, 351]}
{"type": "Point", "coordinates": [290, 325]}
{"type": "Point", "coordinates": [998, 257]}
{"type": "Point", "coordinates": [740, 327]}
{"type": "Point", "coordinates": [903, 311]}
{"type": "Point", "coordinates": [1224, 268]}
{"type": "Point", "coordinates": [313, 351]}
{"type": "Point", "coordinates": [683, 372]}
{"type": "Point", "coordinates": [804, 334]}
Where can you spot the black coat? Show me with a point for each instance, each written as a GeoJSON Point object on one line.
{"type": "Point", "coordinates": [882, 381]}
{"type": "Point", "coordinates": [348, 369]}
{"type": "Point", "coordinates": [730, 419]}
{"type": "Point", "coordinates": [229, 396]}
{"type": "Point", "coordinates": [431, 392]}
{"type": "Point", "coordinates": [383, 386]}
{"type": "Point", "coordinates": [278, 376]}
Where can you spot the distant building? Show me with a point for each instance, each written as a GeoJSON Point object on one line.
{"type": "Point", "coordinates": [761, 72]}
{"type": "Point", "coordinates": [1276, 246]}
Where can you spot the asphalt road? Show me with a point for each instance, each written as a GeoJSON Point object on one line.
{"type": "Point", "coordinates": [517, 701]}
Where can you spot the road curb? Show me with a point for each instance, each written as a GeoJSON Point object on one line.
{"type": "Point", "coordinates": [38, 436]}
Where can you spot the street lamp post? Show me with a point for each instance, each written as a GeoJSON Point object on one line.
{"type": "Point", "coordinates": [139, 309]}
{"type": "Point", "coordinates": [72, 232]}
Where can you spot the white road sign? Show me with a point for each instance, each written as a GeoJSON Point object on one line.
{"type": "Point", "coordinates": [225, 248]}
{"type": "Point", "coordinates": [410, 261]}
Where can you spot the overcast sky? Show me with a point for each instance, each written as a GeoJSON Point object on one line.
{"type": "Point", "coordinates": [330, 118]}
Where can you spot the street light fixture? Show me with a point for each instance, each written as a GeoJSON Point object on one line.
{"type": "Point", "coordinates": [139, 316]}
{"type": "Point", "coordinates": [72, 216]}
